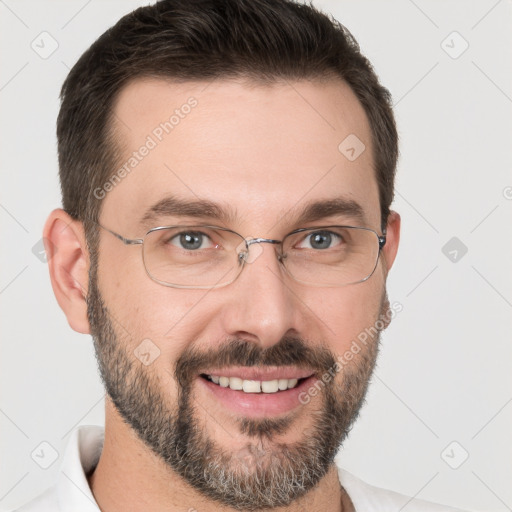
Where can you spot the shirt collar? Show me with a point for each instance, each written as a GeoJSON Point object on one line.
{"type": "Point", "coordinates": [81, 457]}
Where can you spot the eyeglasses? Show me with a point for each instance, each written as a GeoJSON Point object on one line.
{"type": "Point", "coordinates": [205, 257]}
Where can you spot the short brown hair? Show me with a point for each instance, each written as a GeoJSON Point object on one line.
{"type": "Point", "coordinates": [264, 40]}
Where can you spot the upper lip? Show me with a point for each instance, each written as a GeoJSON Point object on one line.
{"type": "Point", "coordinates": [261, 373]}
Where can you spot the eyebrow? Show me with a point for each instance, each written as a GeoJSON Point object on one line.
{"type": "Point", "coordinates": [202, 209]}
{"type": "Point", "coordinates": [318, 210]}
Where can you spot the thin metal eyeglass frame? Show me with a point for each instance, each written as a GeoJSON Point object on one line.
{"type": "Point", "coordinates": [242, 256]}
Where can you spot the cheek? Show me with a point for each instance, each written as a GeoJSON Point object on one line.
{"type": "Point", "coordinates": [170, 318]}
{"type": "Point", "coordinates": [347, 312]}
{"type": "Point", "coordinates": [139, 304]}
{"type": "Point", "coordinates": [142, 309]}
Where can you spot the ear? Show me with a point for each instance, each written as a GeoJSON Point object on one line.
{"type": "Point", "coordinates": [68, 262]}
{"type": "Point", "coordinates": [392, 240]}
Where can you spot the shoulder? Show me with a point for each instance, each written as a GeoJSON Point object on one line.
{"type": "Point", "coordinates": [368, 498]}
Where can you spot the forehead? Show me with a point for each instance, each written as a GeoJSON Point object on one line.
{"type": "Point", "coordinates": [259, 151]}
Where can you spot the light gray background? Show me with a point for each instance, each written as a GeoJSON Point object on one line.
{"type": "Point", "coordinates": [444, 373]}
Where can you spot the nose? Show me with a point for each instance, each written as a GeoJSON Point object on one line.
{"type": "Point", "coordinates": [261, 305]}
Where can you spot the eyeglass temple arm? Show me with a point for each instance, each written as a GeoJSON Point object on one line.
{"type": "Point", "coordinates": [126, 241]}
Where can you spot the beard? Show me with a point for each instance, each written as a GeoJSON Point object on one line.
{"type": "Point", "coordinates": [265, 472]}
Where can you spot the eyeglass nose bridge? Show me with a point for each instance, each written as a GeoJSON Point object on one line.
{"type": "Point", "coordinates": [247, 256]}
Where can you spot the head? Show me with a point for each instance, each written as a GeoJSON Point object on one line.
{"type": "Point", "coordinates": [231, 114]}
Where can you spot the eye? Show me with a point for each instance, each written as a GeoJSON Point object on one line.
{"type": "Point", "coordinates": [319, 240]}
{"type": "Point", "coordinates": [191, 240]}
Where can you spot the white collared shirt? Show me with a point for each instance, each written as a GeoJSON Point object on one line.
{"type": "Point", "coordinates": [72, 493]}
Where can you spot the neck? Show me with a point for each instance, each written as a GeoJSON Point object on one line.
{"type": "Point", "coordinates": [129, 476]}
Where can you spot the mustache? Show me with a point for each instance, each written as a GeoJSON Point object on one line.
{"type": "Point", "coordinates": [289, 351]}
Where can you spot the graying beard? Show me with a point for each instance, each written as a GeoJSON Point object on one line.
{"type": "Point", "coordinates": [275, 482]}
{"type": "Point", "coordinates": [248, 491]}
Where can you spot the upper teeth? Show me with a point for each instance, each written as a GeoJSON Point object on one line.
{"type": "Point", "coordinates": [254, 386]}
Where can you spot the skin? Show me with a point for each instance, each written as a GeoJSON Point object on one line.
{"type": "Point", "coordinates": [264, 151]}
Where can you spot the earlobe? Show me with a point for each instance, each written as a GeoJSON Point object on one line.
{"type": "Point", "coordinates": [392, 239]}
{"type": "Point", "coordinates": [68, 262]}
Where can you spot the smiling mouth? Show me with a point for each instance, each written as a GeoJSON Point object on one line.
{"type": "Point", "coordinates": [253, 386]}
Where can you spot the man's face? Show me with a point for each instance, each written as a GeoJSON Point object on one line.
{"type": "Point", "coordinates": [262, 154]}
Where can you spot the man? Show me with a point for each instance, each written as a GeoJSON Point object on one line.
{"type": "Point", "coordinates": [227, 171]}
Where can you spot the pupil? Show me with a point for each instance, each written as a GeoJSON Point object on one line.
{"type": "Point", "coordinates": [321, 240]}
{"type": "Point", "coordinates": [191, 240]}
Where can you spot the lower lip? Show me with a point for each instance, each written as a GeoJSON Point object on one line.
{"type": "Point", "coordinates": [258, 404]}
